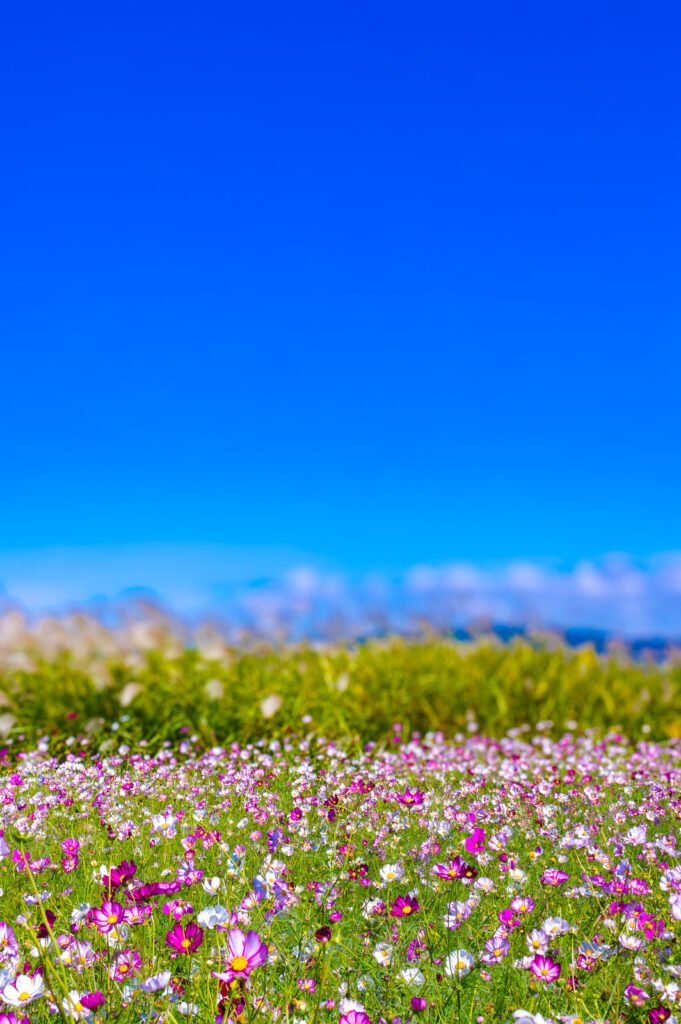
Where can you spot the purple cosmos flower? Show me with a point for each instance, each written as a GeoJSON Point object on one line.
{"type": "Point", "coordinates": [495, 949]}
{"type": "Point", "coordinates": [637, 996]}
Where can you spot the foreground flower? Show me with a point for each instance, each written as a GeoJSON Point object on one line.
{"type": "Point", "coordinates": [106, 919]}
{"type": "Point", "coordinates": [245, 953]}
{"type": "Point", "coordinates": [24, 990]}
{"type": "Point", "coordinates": [404, 906]}
{"type": "Point", "coordinates": [185, 938]}
{"type": "Point", "coordinates": [459, 963]}
{"type": "Point", "coordinates": [545, 968]}
{"type": "Point", "coordinates": [354, 1017]}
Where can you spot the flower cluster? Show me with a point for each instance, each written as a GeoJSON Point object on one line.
{"type": "Point", "coordinates": [306, 881]}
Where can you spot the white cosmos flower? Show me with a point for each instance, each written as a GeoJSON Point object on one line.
{"type": "Point", "coordinates": [555, 926]}
{"type": "Point", "coordinates": [391, 872]}
{"type": "Point", "coordinates": [412, 976]}
{"type": "Point", "coordinates": [383, 953]}
{"type": "Point", "coordinates": [24, 990]}
{"type": "Point", "coordinates": [156, 982]}
{"type": "Point", "coordinates": [210, 885]}
{"type": "Point", "coordinates": [459, 963]}
{"type": "Point", "coordinates": [525, 1017]}
{"type": "Point", "coordinates": [211, 917]}
{"type": "Point", "coordinates": [74, 1007]}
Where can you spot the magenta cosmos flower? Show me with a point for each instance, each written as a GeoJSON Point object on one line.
{"type": "Point", "coordinates": [185, 938]}
{"type": "Point", "coordinates": [354, 1017]}
{"type": "Point", "coordinates": [552, 876]}
{"type": "Point", "coordinates": [404, 906]}
{"type": "Point", "coordinates": [410, 797]}
{"type": "Point", "coordinates": [106, 919]}
{"type": "Point", "coordinates": [476, 843]}
{"type": "Point", "coordinates": [244, 954]}
{"type": "Point", "coordinates": [457, 868]}
{"type": "Point", "coordinates": [544, 968]}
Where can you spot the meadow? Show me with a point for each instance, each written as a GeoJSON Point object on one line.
{"type": "Point", "coordinates": [392, 832]}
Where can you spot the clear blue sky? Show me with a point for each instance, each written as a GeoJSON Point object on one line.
{"type": "Point", "coordinates": [385, 282]}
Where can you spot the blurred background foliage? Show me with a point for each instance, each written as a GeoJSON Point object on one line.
{"type": "Point", "coordinates": [358, 692]}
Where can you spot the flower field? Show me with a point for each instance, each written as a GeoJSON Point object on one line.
{"type": "Point", "coordinates": [380, 873]}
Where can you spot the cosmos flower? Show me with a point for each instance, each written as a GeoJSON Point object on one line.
{"type": "Point", "coordinates": [405, 906]}
{"type": "Point", "coordinates": [410, 798]}
{"type": "Point", "coordinates": [544, 968]}
{"type": "Point", "coordinates": [106, 919]}
{"type": "Point", "coordinates": [245, 952]}
{"type": "Point", "coordinates": [552, 876]}
{"type": "Point", "coordinates": [24, 990]}
{"type": "Point", "coordinates": [185, 938]}
{"type": "Point", "coordinates": [459, 963]}
{"type": "Point", "coordinates": [456, 869]}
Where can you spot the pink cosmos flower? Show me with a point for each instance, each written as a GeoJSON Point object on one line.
{"type": "Point", "coordinates": [244, 954]}
{"type": "Point", "coordinates": [354, 1017]}
{"type": "Point", "coordinates": [404, 906]}
{"type": "Point", "coordinates": [476, 843]}
{"type": "Point", "coordinates": [125, 965]}
{"type": "Point", "coordinates": [637, 996]}
{"type": "Point", "coordinates": [457, 868]}
{"type": "Point", "coordinates": [552, 876]}
{"type": "Point", "coordinates": [544, 968]}
{"type": "Point", "coordinates": [509, 918]}
{"type": "Point", "coordinates": [185, 938]}
{"type": "Point", "coordinates": [106, 919]}
{"type": "Point", "coordinates": [8, 941]}
{"type": "Point", "coordinates": [410, 797]}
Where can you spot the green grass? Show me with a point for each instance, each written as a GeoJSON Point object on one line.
{"type": "Point", "coordinates": [341, 693]}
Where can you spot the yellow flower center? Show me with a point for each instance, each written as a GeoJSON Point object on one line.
{"type": "Point", "coordinates": [24, 996]}
{"type": "Point", "coordinates": [79, 1007]}
{"type": "Point", "coordinates": [186, 943]}
{"type": "Point", "coordinates": [406, 910]}
{"type": "Point", "coordinates": [238, 963]}
{"type": "Point", "coordinates": [112, 918]}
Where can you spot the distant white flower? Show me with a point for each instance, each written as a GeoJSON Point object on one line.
{"type": "Point", "coordinates": [270, 705]}
{"type": "Point", "coordinates": [412, 976]}
{"type": "Point", "coordinates": [211, 885]}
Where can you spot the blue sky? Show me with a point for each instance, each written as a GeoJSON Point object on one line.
{"type": "Point", "coordinates": [371, 284]}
